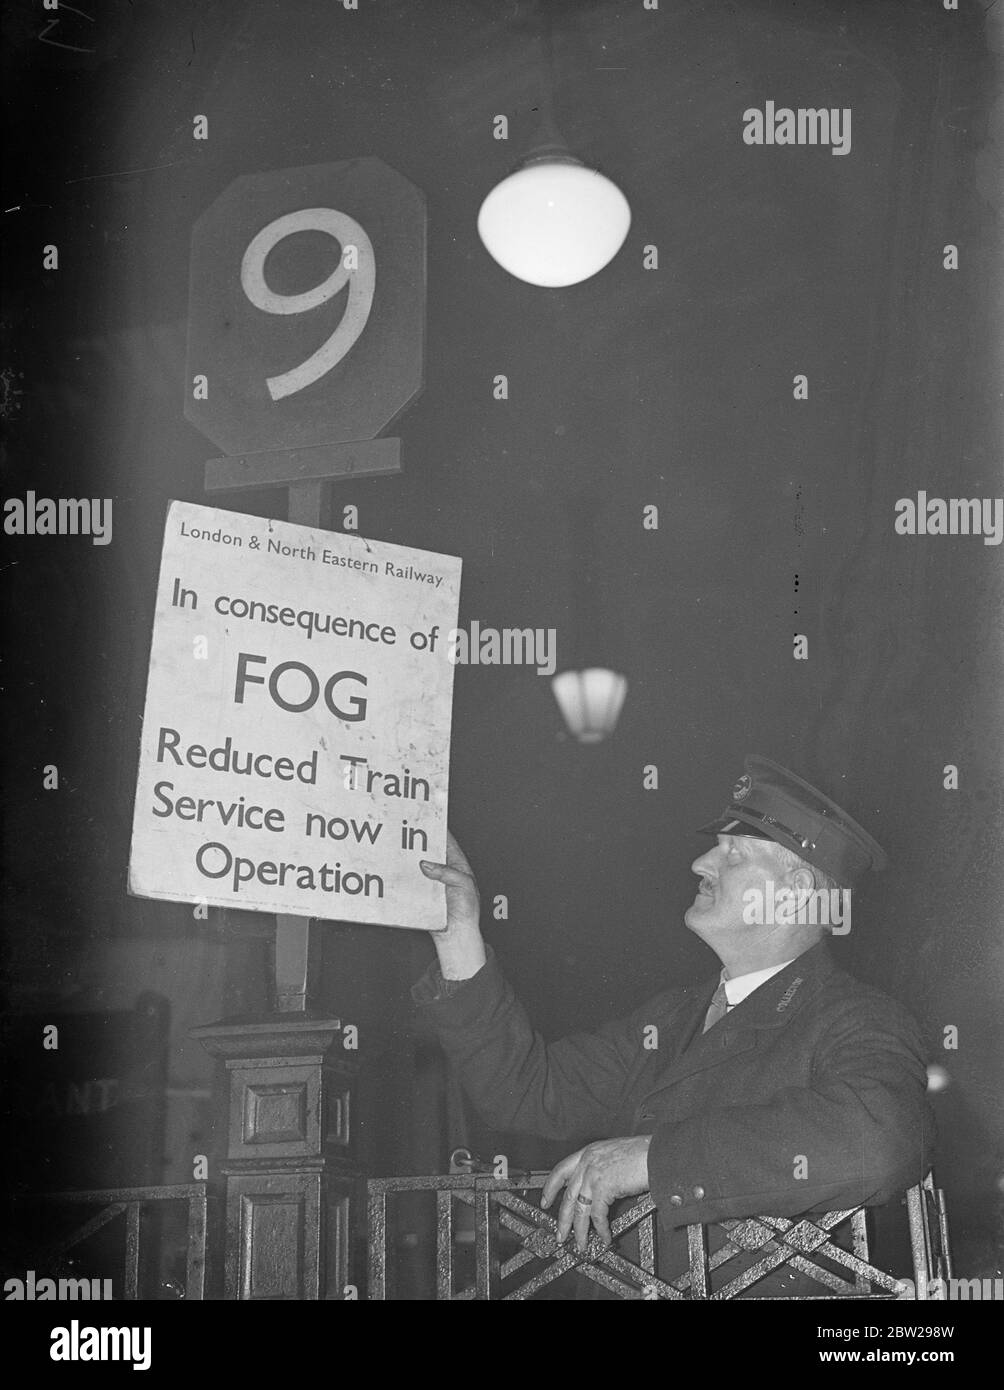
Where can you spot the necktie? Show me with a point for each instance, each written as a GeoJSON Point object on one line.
{"type": "Point", "coordinates": [718, 1007]}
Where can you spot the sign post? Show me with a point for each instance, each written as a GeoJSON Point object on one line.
{"type": "Point", "coordinates": [306, 340]}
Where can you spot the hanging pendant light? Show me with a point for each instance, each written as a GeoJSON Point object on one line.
{"type": "Point", "coordinates": [590, 701]}
{"type": "Point", "coordinates": [554, 221]}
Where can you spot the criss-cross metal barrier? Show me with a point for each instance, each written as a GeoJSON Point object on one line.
{"type": "Point", "coordinates": [511, 1251]}
{"type": "Point", "coordinates": [106, 1204]}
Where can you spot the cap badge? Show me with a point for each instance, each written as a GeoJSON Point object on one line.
{"type": "Point", "coordinates": [742, 788]}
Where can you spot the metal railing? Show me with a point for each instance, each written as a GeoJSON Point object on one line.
{"type": "Point", "coordinates": [129, 1202]}
{"type": "Point", "coordinates": [499, 1212]}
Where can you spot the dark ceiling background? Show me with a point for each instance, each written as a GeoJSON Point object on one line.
{"type": "Point", "coordinates": [671, 387]}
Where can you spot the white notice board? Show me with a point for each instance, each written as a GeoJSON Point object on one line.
{"type": "Point", "coordinates": [296, 734]}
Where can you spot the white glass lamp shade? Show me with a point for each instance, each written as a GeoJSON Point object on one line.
{"type": "Point", "coordinates": [554, 222]}
{"type": "Point", "coordinates": [590, 701]}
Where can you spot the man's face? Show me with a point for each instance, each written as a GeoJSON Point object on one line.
{"type": "Point", "coordinates": [735, 865]}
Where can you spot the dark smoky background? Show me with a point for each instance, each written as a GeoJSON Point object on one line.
{"type": "Point", "coordinates": [670, 387]}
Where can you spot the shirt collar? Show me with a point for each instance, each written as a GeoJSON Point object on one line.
{"type": "Point", "coordinates": [738, 988]}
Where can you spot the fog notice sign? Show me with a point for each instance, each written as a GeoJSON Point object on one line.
{"type": "Point", "coordinates": [296, 734]}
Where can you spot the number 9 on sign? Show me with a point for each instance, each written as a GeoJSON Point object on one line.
{"type": "Point", "coordinates": [356, 268]}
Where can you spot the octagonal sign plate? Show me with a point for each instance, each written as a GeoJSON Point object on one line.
{"type": "Point", "coordinates": [307, 307]}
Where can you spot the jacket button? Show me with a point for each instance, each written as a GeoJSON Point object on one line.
{"type": "Point", "coordinates": [698, 1192]}
{"type": "Point", "coordinates": [676, 1200]}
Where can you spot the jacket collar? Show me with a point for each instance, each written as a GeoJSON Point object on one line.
{"type": "Point", "coordinates": [780, 997]}
{"type": "Point", "coordinates": [768, 1008]}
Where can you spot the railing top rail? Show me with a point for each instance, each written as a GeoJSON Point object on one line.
{"type": "Point", "coordinates": [442, 1182]}
{"type": "Point", "coordinates": [111, 1195]}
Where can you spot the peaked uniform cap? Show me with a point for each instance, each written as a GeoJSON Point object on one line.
{"type": "Point", "coordinates": [773, 803]}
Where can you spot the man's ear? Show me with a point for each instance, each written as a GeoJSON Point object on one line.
{"type": "Point", "coordinates": [802, 879]}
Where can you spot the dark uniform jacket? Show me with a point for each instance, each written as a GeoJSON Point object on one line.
{"type": "Point", "coordinates": [809, 1095]}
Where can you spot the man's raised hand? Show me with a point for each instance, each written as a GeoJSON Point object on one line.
{"type": "Point", "coordinates": [460, 948]}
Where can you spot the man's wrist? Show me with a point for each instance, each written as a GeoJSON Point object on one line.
{"type": "Point", "coordinates": [461, 960]}
{"type": "Point", "coordinates": [434, 986]}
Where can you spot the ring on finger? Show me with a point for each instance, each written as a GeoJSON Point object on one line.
{"type": "Point", "coordinates": [584, 1201]}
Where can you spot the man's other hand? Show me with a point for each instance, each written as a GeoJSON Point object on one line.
{"type": "Point", "coordinates": [593, 1178]}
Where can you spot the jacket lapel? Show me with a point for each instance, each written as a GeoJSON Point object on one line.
{"type": "Point", "coordinates": [692, 1016]}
